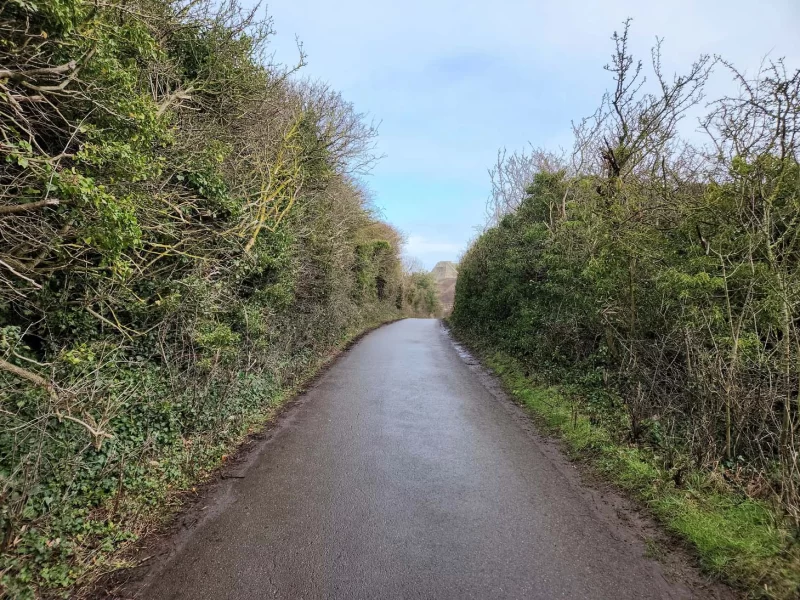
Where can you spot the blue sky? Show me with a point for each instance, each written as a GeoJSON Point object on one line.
{"type": "Point", "coordinates": [452, 82]}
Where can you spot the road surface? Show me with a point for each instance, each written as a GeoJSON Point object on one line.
{"type": "Point", "coordinates": [402, 476]}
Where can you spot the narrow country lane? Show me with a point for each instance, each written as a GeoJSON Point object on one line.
{"type": "Point", "coordinates": [402, 476]}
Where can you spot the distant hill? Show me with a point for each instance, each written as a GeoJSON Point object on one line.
{"type": "Point", "coordinates": [444, 270]}
{"type": "Point", "coordinates": [445, 274]}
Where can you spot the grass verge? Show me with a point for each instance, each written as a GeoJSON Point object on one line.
{"type": "Point", "coordinates": [741, 540]}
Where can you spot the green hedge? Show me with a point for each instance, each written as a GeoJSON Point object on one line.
{"type": "Point", "coordinates": [184, 239]}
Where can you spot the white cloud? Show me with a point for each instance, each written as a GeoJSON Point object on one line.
{"type": "Point", "coordinates": [431, 251]}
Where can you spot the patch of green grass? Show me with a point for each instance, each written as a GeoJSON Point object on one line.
{"type": "Point", "coordinates": [741, 540]}
{"type": "Point", "coordinates": [653, 549]}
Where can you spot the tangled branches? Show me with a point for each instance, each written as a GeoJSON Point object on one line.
{"type": "Point", "coordinates": [181, 239]}
{"type": "Point", "coordinates": [673, 270]}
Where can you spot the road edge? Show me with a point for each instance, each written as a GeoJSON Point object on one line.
{"type": "Point", "coordinates": [612, 504]}
{"type": "Point", "coordinates": [150, 555]}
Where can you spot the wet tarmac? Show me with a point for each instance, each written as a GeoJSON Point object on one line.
{"type": "Point", "coordinates": [402, 476]}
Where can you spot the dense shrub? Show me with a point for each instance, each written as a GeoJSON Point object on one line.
{"type": "Point", "coordinates": [182, 237]}
{"type": "Point", "coordinates": [659, 279]}
{"type": "Point", "coordinates": [421, 295]}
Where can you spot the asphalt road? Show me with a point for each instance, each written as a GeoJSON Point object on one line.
{"type": "Point", "coordinates": [402, 476]}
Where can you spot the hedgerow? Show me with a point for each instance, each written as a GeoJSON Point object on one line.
{"type": "Point", "coordinates": [656, 280]}
{"type": "Point", "coordinates": [183, 237]}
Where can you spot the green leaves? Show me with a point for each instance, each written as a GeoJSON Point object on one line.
{"type": "Point", "coordinates": [159, 282]}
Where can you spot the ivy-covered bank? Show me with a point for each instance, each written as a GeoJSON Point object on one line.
{"type": "Point", "coordinates": [183, 238]}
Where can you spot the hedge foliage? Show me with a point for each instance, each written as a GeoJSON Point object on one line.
{"type": "Point", "coordinates": [659, 278]}
{"type": "Point", "coordinates": [183, 237]}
